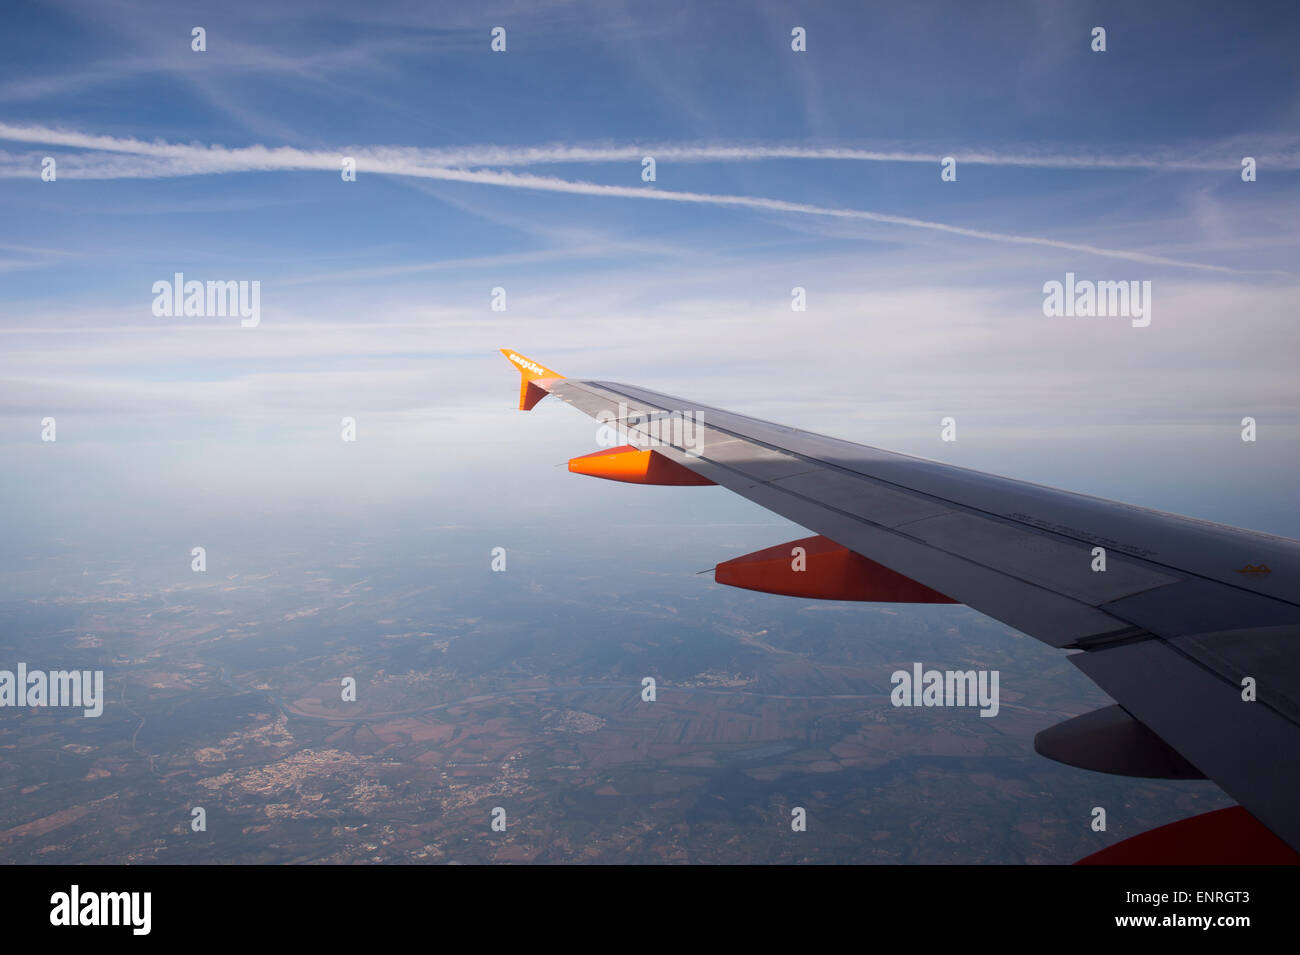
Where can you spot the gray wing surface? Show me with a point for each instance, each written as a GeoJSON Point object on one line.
{"type": "Point", "coordinates": [1183, 613]}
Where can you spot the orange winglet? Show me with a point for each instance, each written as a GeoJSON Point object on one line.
{"type": "Point", "coordinates": [819, 568]}
{"type": "Point", "coordinates": [636, 466]}
{"type": "Point", "coordinates": [535, 380]}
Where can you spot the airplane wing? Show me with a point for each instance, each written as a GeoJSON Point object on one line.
{"type": "Point", "coordinates": [1192, 627]}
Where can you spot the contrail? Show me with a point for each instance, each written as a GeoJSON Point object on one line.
{"type": "Point", "coordinates": [163, 160]}
{"type": "Point", "coordinates": [1284, 157]}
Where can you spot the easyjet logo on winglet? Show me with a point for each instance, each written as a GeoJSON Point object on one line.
{"type": "Point", "coordinates": [527, 365]}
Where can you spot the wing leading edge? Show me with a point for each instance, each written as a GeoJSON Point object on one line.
{"type": "Point", "coordinates": [1184, 613]}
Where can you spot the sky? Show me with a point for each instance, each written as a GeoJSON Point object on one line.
{"type": "Point", "coordinates": [522, 170]}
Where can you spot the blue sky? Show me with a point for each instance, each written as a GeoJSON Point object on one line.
{"type": "Point", "coordinates": [521, 170]}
